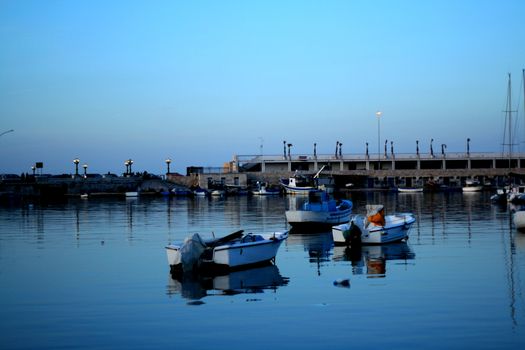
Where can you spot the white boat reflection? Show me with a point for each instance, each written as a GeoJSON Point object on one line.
{"type": "Point", "coordinates": [197, 286]}
{"type": "Point", "coordinates": [371, 260]}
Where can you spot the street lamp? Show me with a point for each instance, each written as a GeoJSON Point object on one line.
{"type": "Point", "coordinates": [386, 142]}
{"type": "Point", "coordinates": [126, 163]}
{"type": "Point", "coordinates": [468, 147]}
{"type": "Point", "coordinates": [367, 151]}
{"type": "Point", "coordinates": [417, 148]}
{"type": "Point", "coordinates": [130, 162]}
{"type": "Point", "coordinates": [392, 148]}
{"type": "Point", "coordinates": [378, 114]}
{"type": "Point", "coordinates": [76, 161]}
{"type": "Point", "coordinates": [284, 149]}
{"type": "Point", "coordinates": [85, 166]}
{"type": "Point", "coordinates": [34, 169]}
{"type": "Point", "coordinates": [289, 145]}
{"type": "Point", "coordinates": [315, 150]}
{"type": "Point", "coordinates": [340, 150]}
{"type": "Point", "coordinates": [336, 148]}
{"type": "Point", "coordinates": [443, 147]}
{"type": "Point", "coordinates": [168, 161]}
{"type": "Point", "coordinates": [431, 149]}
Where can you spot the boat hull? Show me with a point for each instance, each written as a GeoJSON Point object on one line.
{"type": "Point", "coordinates": [397, 227]}
{"type": "Point", "coordinates": [472, 189]}
{"type": "Point", "coordinates": [410, 189]}
{"type": "Point", "coordinates": [244, 254]}
{"type": "Point", "coordinates": [519, 220]}
{"type": "Point", "coordinates": [302, 191]}
{"type": "Point", "coordinates": [305, 218]}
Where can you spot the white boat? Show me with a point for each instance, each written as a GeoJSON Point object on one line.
{"type": "Point", "coordinates": [232, 251]}
{"type": "Point", "coordinates": [264, 190]}
{"type": "Point", "coordinates": [472, 186]}
{"type": "Point", "coordinates": [374, 228]}
{"type": "Point", "coordinates": [217, 193]}
{"type": "Point", "coordinates": [320, 212]}
{"type": "Point", "coordinates": [519, 220]}
{"type": "Point", "coordinates": [200, 192]}
{"type": "Point", "coordinates": [301, 184]}
{"type": "Point", "coordinates": [410, 189]}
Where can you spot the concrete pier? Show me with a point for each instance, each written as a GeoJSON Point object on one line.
{"type": "Point", "coordinates": [379, 170]}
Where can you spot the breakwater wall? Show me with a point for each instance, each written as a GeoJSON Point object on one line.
{"type": "Point", "coordinates": [49, 186]}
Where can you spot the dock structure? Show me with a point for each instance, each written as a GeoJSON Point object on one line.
{"type": "Point", "coordinates": [404, 169]}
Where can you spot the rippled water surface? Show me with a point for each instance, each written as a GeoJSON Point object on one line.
{"type": "Point", "coordinates": [93, 274]}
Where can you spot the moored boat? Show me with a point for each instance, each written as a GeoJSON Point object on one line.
{"type": "Point", "coordinates": [410, 189]}
{"type": "Point", "coordinates": [320, 212]}
{"type": "Point", "coordinates": [235, 250]}
{"type": "Point", "coordinates": [519, 220]}
{"type": "Point", "coordinates": [374, 228]}
{"type": "Point", "coordinates": [264, 190]}
{"type": "Point", "coordinates": [300, 184]}
{"type": "Point", "coordinates": [472, 186]}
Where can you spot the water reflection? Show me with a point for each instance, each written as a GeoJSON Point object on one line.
{"type": "Point", "coordinates": [371, 260]}
{"type": "Point", "coordinates": [250, 281]}
{"type": "Point", "coordinates": [318, 246]}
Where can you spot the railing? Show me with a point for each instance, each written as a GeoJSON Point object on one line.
{"type": "Point", "coordinates": [242, 159]}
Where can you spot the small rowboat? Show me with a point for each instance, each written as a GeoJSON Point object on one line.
{"type": "Point", "coordinates": [235, 250]}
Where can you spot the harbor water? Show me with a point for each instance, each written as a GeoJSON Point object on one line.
{"type": "Point", "coordinates": [93, 274]}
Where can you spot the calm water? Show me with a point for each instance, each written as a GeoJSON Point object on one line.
{"type": "Point", "coordinates": [93, 274]}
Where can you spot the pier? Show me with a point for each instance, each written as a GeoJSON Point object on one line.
{"type": "Point", "coordinates": [388, 169]}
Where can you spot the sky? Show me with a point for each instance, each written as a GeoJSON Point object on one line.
{"type": "Point", "coordinates": [201, 81]}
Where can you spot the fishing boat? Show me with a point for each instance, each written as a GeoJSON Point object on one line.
{"type": "Point", "coordinates": [374, 227]}
{"type": "Point", "coordinates": [320, 211]}
{"type": "Point", "coordinates": [472, 186]}
{"type": "Point", "coordinates": [264, 190]}
{"type": "Point", "coordinates": [300, 184]}
{"type": "Point", "coordinates": [235, 250]}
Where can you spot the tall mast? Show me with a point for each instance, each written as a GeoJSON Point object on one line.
{"type": "Point", "coordinates": [509, 117]}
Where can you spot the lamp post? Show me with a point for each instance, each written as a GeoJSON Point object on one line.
{"type": "Point", "coordinates": [443, 147]}
{"type": "Point", "coordinates": [76, 161]}
{"type": "Point", "coordinates": [431, 149]}
{"type": "Point", "coordinates": [468, 147]}
{"type": "Point", "coordinates": [85, 166]}
{"type": "Point", "coordinates": [289, 145]}
{"type": "Point", "coordinates": [417, 148]}
{"type": "Point", "coordinates": [130, 162]}
{"type": "Point", "coordinates": [336, 148]}
{"type": "Point", "coordinates": [284, 149]}
{"type": "Point", "coordinates": [127, 167]}
{"type": "Point", "coordinates": [168, 161]}
{"type": "Point", "coordinates": [392, 148]}
{"type": "Point", "coordinates": [367, 151]}
{"type": "Point", "coordinates": [378, 114]}
{"type": "Point", "coordinates": [34, 169]}
{"type": "Point", "coordinates": [315, 150]}
{"type": "Point", "coordinates": [386, 142]}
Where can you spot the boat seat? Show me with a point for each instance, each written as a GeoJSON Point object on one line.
{"type": "Point", "coordinates": [250, 237]}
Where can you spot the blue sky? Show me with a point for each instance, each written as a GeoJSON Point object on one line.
{"type": "Point", "coordinates": [200, 81]}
